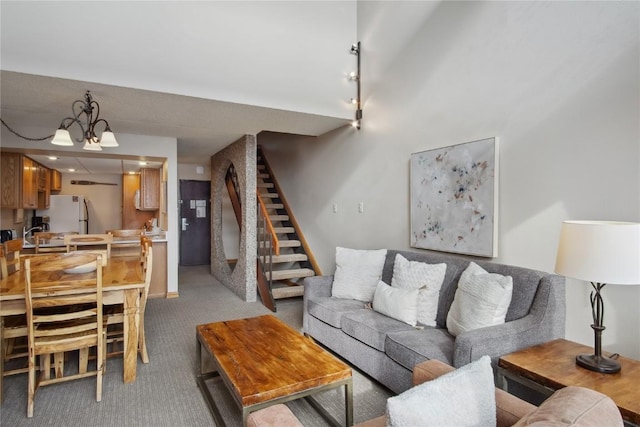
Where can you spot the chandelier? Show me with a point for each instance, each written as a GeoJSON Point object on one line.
{"type": "Point", "coordinates": [86, 114]}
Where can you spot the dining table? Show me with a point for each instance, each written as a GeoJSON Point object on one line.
{"type": "Point", "coordinates": [122, 283]}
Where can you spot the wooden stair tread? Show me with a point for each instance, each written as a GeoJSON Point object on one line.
{"type": "Point", "coordinates": [286, 244]}
{"type": "Point", "coordinates": [290, 274]}
{"type": "Point", "coordinates": [274, 205]}
{"type": "Point", "coordinates": [280, 230]}
{"type": "Point", "coordinates": [279, 218]}
{"type": "Point", "coordinates": [269, 195]}
{"type": "Point", "coordinates": [287, 292]}
{"type": "Point", "coordinates": [265, 185]}
{"type": "Point", "coordinates": [288, 258]}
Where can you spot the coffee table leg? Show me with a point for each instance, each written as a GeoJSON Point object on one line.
{"type": "Point", "coordinates": [348, 402]}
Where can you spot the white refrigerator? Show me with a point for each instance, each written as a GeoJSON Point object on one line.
{"type": "Point", "coordinates": [67, 213]}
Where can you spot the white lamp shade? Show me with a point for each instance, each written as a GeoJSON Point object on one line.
{"type": "Point", "coordinates": [600, 251]}
{"type": "Point", "coordinates": [92, 146]}
{"type": "Point", "coordinates": [108, 139]}
{"type": "Point", "coordinates": [62, 137]}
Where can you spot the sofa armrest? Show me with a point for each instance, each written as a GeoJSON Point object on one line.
{"type": "Point", "coordinates": [509, 408]}
{"type": "Point", "coordinates": [318, 286]}
{"type": "Point", "coordinates": [315, 286]}
{"type": "Point", "coordinates": [430, 370]}
{"type": "Point", "coordinates": [545, 322]}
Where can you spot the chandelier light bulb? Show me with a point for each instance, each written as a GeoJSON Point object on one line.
{"type": "Point", "coordinates": [62, 137]}
{"type": "Point", "coordinates": [91, 146]}
{"type": "Point", "coordinates": [108, 139]}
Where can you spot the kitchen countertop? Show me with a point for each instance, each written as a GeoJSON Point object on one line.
{"type": "Point", "coordinates": [155, 238]}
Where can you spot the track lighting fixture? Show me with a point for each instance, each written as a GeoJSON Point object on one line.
{"type": "Point", "coordinates": [356, 77]}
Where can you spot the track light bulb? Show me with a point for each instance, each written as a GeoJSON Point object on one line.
{"type": "Point", "coordinates": [353, 76]}
{"type": "Point", "coordinates": [354, 101]}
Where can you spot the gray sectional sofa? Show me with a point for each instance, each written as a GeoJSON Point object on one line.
{"type": "Point", "coordinates": [387, 349]}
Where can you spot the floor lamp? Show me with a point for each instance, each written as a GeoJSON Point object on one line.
{"type": "Point", "coordinates": [600, 252]}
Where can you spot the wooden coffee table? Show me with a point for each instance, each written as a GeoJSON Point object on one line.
{"type": "Point", "coordinates": [550, 366]}
{"type": "Point", "coordinates": [262, 361]}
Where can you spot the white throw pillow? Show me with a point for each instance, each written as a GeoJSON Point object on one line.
{"type": "Point", "coordinates": [482, 299]}
{"type": "Point", "coordinates": [357, 273]}
{"type": "Point", "coordinates": [464, 397]}
{"type": "Point", "coordinates": [427, 278]}
{"type": "Point", "coordinates": [400, 304]}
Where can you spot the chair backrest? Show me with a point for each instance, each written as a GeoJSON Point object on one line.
{"type": "Point", "coordinates": [145, 244]}
{"type": "Point", "coordinates": [102, 241]}
{"type": "Point", "coordinates": [71, 320]}
{"type": "Point", "coordinates": [147, 267]}
{"type": "Point", "coordinates": [3, 264]}
{"type": "Point", "coordinates": [126, 233]}
{"type": "Point", "coordinates": [42, 237]}
{"type": "Point", "coordinates": [131, 235]}
{"type": "Point", "coordinates": [12, 250]}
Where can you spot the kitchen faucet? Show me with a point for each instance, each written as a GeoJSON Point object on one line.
{"type": "Point", "coordinates": [25, 232]}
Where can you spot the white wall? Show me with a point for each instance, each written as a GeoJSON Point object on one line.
{"type": "Point", "coordinates": [290, 55]}
{"type": "Point", "coordinates": [556, 82]}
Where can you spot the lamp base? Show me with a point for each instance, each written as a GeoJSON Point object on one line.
{"type": "Point", "coordinates": [601, 364]}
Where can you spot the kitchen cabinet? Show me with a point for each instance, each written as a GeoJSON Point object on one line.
{"type": "Point", "coordinates": [25, 183]}
{"type": "Point", "coordinates": [56, 180]}
{"type": "Point", "coordinates": [11, 174]}
{"type": "Point", "coordinates": [133, 218]}
{"type": "Point", "coordinates": [29, 183]}
{"type": "Point", "coordinates": [149, 189]}
{"type": "Point", "coordinates": [44, 185]}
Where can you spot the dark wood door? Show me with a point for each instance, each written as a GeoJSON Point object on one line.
{"type": "Point", "coordinates": [195, 222]}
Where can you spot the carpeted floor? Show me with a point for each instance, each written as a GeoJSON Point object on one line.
{"type": "Point", "coordinates": [165, 392]}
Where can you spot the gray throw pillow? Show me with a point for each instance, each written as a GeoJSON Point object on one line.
{"type": "Point", "coordinates": [464, 397]}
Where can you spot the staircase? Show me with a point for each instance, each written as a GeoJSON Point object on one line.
{"type": "Point", "coordinates": [283, 253]}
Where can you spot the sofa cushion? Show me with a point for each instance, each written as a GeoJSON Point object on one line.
{"type": "Point", "coordinates": [397, 303]}
{"type": "Point", "coordinates": [357, 273]}
{"type": "Point", "coordinates": [464, 397]}
{"type": "Point", "coordinates": [427, 278]}
{"type": "Point", "coordinates": [330, 310]}
{"type": "Point", "coordinates": [572, 406]}
{"type": "Point", "coordinates": [408, 348]}
{"type": "Point", "coordinates": [482, 299]}
{"type": "Point", "coordinates": [371, 327]}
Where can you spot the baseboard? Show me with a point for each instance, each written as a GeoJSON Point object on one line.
{"type": "Point", "coordinates": [173, 295]}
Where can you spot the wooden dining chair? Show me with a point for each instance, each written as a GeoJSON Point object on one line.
{"type": "Point", "coordinates": [115, 313]}
{"type": "Point", "coordinates": [102, 241]}
{"type": "Point", "coordinates": [12, 250]}
{"type": "Point", "coordinates": [59, 322]}
{"type": "Point", "coordinates": [14, 322]}
{"type": "Point", "coordinates": [40, 238]}
{"type": "Point", "coordinates": [125, 242]}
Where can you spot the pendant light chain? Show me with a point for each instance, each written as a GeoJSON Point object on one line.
{"type": "Point", "coordinates": [22, 136]}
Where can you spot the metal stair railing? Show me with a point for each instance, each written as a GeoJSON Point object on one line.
{"type": "Point", "coordinates": [268, 242]}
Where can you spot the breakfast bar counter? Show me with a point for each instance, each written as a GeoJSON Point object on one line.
{"type": "Point", "coordinates": [123, 246]}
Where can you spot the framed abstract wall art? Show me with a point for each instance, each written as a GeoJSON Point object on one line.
{"type": "Point", "coordinates": [454, 198]}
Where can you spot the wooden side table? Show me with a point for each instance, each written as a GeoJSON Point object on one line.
{"type": "Point", "coordinates": [550, 366]}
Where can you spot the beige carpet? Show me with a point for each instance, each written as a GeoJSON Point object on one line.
{"type": "Point", "coordinates": [165, 392]}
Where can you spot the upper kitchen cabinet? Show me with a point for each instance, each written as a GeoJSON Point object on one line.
{"type": "Point", "coordinates": [44, 187]}
{"type": "Point", "coordinates": [56, 180]}
{"type": "Point", "coordinates": [149, 189]}
{"type": "Point", "coordinates": [11, 188]}
{"type": "Point", "coordinates": [29, 183]}
{"type": "Point", "coordinates": [25, 183]}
